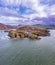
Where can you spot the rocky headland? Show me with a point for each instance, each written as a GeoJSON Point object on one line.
{"type": "Point", "coordinates": [31, 32]}
{"type": "Point", "coordinates": [28, 32]}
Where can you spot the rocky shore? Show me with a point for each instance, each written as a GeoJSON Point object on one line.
{"type": "Point", "coordinates": [28, 32]}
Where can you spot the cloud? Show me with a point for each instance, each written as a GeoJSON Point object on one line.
{"type": "Point", "coordinates": [49, 2]}
{"type": "Point", "coordinates": [7, 12]}
{"type": "Point", "coordinates": [27, 8]}
{"type": "Point", "coordinates": [52, 10]}
{"type": "Point", "coordinates": [9, 20]}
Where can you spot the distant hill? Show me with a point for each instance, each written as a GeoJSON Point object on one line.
{"type": "Point", "coordinates": [6, 27]}
{"type": "Point", "coordinates": [46, 20]}
{"type": "Point", "coordinates": [37, 21]}
{"type": "Point", "coordinates": [2, 26]}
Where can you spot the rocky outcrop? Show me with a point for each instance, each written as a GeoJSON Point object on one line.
{"type": "Point", "coordinates": [32, 36]}
{"type": "Point", "coordinates": [16, 34]}
{"type": "Point", "coordinates": [28, 32]}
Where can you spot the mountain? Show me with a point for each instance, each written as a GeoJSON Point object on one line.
{"type": "Point", "coordinates": [6, 27]}
{"type": "Point", "coordinates": [46, 20]}
{"type": "Point", "coordinates": [2, 26]}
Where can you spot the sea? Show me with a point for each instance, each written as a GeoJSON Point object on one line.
{"type": "Point", "coordinates": [27, 51]}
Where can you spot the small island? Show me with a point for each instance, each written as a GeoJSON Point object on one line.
{"type": "Point", "coordinates": [28, 32]}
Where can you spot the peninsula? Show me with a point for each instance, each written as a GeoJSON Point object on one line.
{"type": "Point", "coordinates": [28, 32]}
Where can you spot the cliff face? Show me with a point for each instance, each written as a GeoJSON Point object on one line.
{"type": "Point", "coordinates": [16, 34]}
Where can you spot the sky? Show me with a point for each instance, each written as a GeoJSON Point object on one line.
{"type": "Point", "coordinates": [26, 8]}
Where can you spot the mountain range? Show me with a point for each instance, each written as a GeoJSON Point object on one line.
{"type": "Point", "coordinates": [41, 21]}
{"type": "Point", "coordinates": [6, 27]}
{"type": "Point", "coordinates": [46, 20]}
